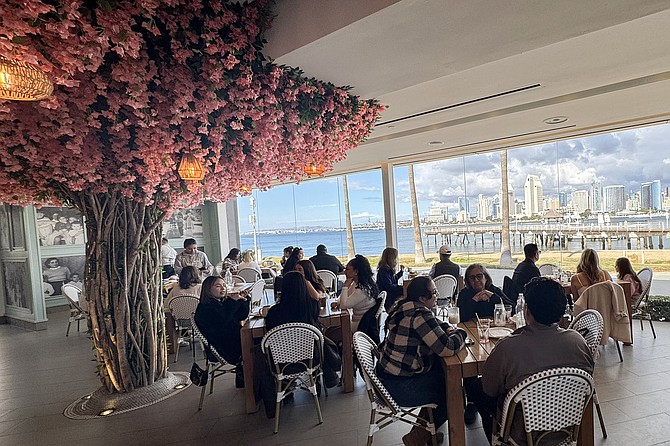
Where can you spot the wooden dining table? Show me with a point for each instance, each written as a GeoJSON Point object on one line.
{"type": "Point", "coordinates": [469, 362]}
{"type": "Point", "coordinates": [254, 328]}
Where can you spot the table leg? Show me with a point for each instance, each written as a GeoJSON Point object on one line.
{"type": "Point", "coordinates": [347, 353]}
{"type": "Point", "coordinates": [629, 306]}
{"type": "Point", "coordinates": [455, 405]}
{"type": "Point", "coordinates": [586, 428]}
{"type": "Point", "coordinates": [248, 366]}
{"type": "Point", "coordinates": [171, 333]}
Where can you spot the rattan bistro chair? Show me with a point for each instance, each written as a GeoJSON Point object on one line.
{"type": "Point", "coordinates": [77, 312]}
{"type": "Point", "coordinates": [213, 359]}
{"type": "Point", "coordinates": [641, 309]}
{"type": "Point", "coordinates": [329, 279]}
{"type": "Point", "coordinates": [291, 350]}
{"type": "Point", "coordinates": [548, 269]}
{"type": "Point", "coordinates": [383, 408]}
{"type": "Point", "coordinates": [182, 307]}
{"type": "Point", "coordinates": [446, 285]}
{"type": "Point", "coordinates": [552, 402]}
{"type": "Point", "coordinates": [589, 323]}
{"type": "Point", "coordinates": [249, 275]}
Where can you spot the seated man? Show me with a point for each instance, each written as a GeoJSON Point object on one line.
{"type": "Point", "coordinates": [445, 265]}
{"type": "Point", "coordinates": [526, 269]}
{"type": "Point", "coordinates": [323, 260]}
{"type": "Point", "coordinates": [538, 346]}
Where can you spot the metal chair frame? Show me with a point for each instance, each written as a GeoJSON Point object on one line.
{"type": "Point", "coordinates": [77, 312]}
{"type": "Point", "coordinates": [291, 350]}
{"type": "Point", "coordinates": [551, 401]}
{"type": "Point", "coordinates": [182, 307]}
{"type": "Point", "coordinates": [641, 310]}
{"type": "Point", "coordinates": [589, 323]}
{"type": "Point", "coordinates": [213, 359]}
{"type": "Point", "coordinates": [382, 404]}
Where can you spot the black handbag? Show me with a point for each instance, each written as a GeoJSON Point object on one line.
{"type": "Point", "coordinates": [198, 376]}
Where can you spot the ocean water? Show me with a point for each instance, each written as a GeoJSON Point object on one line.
{"type": "Point", "coordinates": [371, 242]}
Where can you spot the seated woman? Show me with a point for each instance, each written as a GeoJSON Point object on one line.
{"type": "Point", "coordinates": [231, 262]}
{"type": "Point", "coordinates": [588, 273]}
{"type": "Point", "coordinates": [249, 261]}
{"type": "Point", "coordinates": [219, 318]}
{"type": "Point", "coordinates": [625, 272]}
{"type": "Point", "coordinates": [287, 253]}
{"type": "Point", "coordinates": [296, 255]}
{"type": "Point", "coordinates": [359, 291]}
{"type": "Point", "coordinates": [189, 285]}
{"type": "Point", "coordinates": [296, 306]}
{"type": "Point", "coordinates": [316, 289]}
{"type": "Point", "coordinates": [387, 278]}
{"type": "Point", "coordinates": [409, 366]}
{"type": "Point", "coordinates": [479, 295]}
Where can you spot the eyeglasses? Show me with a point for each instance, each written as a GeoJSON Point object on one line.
{"type": "Point", "coordinates": [476, 277]}
{"type": "Point", "coordinates": [435, 292]}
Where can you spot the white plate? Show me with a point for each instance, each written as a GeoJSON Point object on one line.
{"type": "Point", "coordinates": [499, 332]}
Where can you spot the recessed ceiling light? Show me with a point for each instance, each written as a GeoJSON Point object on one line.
{"type": "Point", "coordinates": [555, 120]}
{"type": "Point", "coordinates": [106, 412]}
{"type": "Point", "coordinates": [179, 386]}
{"type": "Point", "coordinates": [436, 143]}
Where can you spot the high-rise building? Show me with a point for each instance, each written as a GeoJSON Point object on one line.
{"type": "Point", "coordinates": [596, 197]}
{"type": "Point", "coordinates": [562, 199]}
{"type": "Point", "coordinates": [483, 207]}
{"type": "Point", "coordinates": [464, 205]}
{"type": "Point", "coordinates": [532, 190]}
{"type": "Point", "coordinates": [633, 201]}
{"type": "Point", "coordinates": [645, 196]}
{"type": "Point", "coordinates": [614, 198]}
{"type": "Point", "coordinates": [437, 215]}
{"type": "Point", "coordinates": [656, 194]}
{"type": "Point", "coordinates": [580, 200]}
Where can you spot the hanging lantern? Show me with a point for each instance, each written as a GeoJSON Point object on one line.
{"type": "Point", "coordinates": [313, 169]}
{"type": "Point", "coordinates": [190, 168]}
{"type": "Point", "coordinates": [20, 81]}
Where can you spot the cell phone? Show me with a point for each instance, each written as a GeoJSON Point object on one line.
{"type": "Point", "coordinates": [469, 341]}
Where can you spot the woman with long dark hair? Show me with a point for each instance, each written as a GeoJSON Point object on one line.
{"type": "Point", "coordinates": [295, 304]}
{"type": "Point", "coordinates": [625, 272]}
{"type": "Point", "coordinates": [359, 291]}
{"type": "Point", "coordinates": [189, 284]}
{"type": "Point", "coordinates": [218, 316]}
{"type": "Point", "coordinates": [387, 277]}
{"type": "Point", "coordinates": [296, 255]}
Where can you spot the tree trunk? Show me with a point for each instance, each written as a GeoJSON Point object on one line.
{"type": "Point", "coordinates": [419, 256]}
{"type": "Point", "coordinates": [351, 251]}
{"type": "Point", "coordinates": [505, 251]}
{"type": "Point", "coordinates": [123, 288]}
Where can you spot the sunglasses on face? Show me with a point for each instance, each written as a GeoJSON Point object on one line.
{"type": "Point", "coordinates": [476, 277]}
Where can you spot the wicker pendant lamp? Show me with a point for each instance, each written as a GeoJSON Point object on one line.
{"type": "Point", "coordinates": [20, 81]}
{"type": "Point", "coordinates": [190, 168]}
{"type": "Point", "coordinates": [313, 169]}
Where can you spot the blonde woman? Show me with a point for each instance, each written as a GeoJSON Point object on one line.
{"type": "Point", "coordinates": [588, 273]}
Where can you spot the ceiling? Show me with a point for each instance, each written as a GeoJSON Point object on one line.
{"type": "Point", "coordinates": [470, 76]}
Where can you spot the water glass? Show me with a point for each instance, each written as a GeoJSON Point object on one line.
{"type": "Point", "coordinates": [508, 311]}
{"type": "Point", "coordinates": [499, 315]}
{"type": "Point", "coordinates": [453, 315]}
{"type": "Point", "coordinates": [484, 329]}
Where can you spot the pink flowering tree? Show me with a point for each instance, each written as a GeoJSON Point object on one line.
{"type": "Point", "coordinates": [139, 84]}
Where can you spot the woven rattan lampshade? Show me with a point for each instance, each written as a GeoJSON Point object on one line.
{"type": "Point", "coordinates": [313, 169]}
{"type": "Point", "coordinates": [190, 168]}
{"type": "Point", "coordinates": [20, 81]}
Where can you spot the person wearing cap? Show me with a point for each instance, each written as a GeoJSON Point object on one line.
{"type": "Point", "coordinates": [445, 265]}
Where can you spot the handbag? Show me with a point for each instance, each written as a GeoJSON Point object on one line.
{"type": "Point", "coordinates": [198, 376]}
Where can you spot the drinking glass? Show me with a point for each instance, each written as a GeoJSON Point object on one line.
{"type": "Point", "coordinates": [453, 315]}
{"type": "Point", "coordinates": [499, 315]}
{"type": "Point", "coordinates": [508, 311]}
{"type": "Point", "coordinates": [484, 328]}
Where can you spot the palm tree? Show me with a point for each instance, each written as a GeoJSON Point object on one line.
{"type": "Point", "coordinates": [419, 256]}
{"type": "Point", "coordinates": [351, 252]}
{"type": "Point", "coordinates": [505, 251]}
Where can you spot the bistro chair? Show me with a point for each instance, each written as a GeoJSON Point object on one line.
{"type": "Point", "coordinates": [213, 359]}
{"type": "Point", "coordinates": [446, 285]}
{"type": "Point", "coordinates": [329, 279]}
{"type": "Point", "coordinates": [383, 408]}
{"type": "Point", "coordinates": [641, 309]}
{"type": "Point", "coordinates": [292, 351]}
{"type": "Point", "coordinates": [589, 324]}
{"type": "Point", "coordinates": [182, 307]}
{"type": "Point", "coordinates": [249, 275]}
{"type": "Point", "coordinates": [552, 403]}
{"type": "Point", "coordinates": [237, 279]}
{"type": "Point", "coordinates": [257, 293]}
{"type": "Point", "coordinates": [77, 312]}
{"type": "Point", "coordinates": [547, 269]}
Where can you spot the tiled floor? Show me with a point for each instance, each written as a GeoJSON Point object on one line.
{"type": "Point", "coordinates": [42, 372]}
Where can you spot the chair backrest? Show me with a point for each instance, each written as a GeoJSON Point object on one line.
{"type": "Point", "coordinates": [380, 310]}
{"type": "Point", "coordinates": [511, 291]}
{"type": "Point", "coordinates": [551, 400]}
{"type": "Point", "coordinates": [446, 285]}
{"type": "Point", "coordinates": [292, 344]}
{"type": "Point", "coordinates": [366, 353]}
{"type": "Point", "coordinates": [589, 323]}
{"type": "Point", "coordinates": [182, 307]}
{"type": "Point", "coordinates": [249, 275]}
{"type": "Point", "coordinates": [547, 269]}
{"type": "Point", "coordinates": [73, 295]}
{"type": "Point", "coordinates": [210, 351]}
{"type": "Point", "coordinates": [257, 292]}
{"type": "Point", "coordinates": [329, 279]}
{"type": "Point", "coordinates": [238, 279]}
{"type": "Point", "coordinates": [646, 275]}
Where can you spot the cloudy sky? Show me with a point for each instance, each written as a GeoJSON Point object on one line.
{"type": "Point", "coordinates": [628, 158]}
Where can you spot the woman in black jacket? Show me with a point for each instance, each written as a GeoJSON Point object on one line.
{"type": "Point", "coordinates": [479, 295]}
